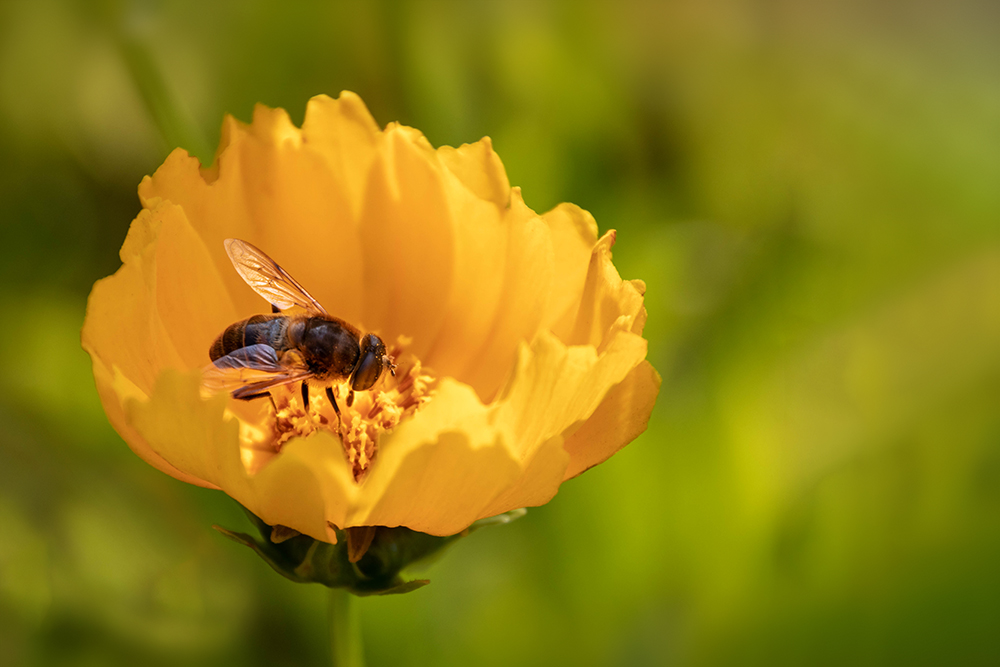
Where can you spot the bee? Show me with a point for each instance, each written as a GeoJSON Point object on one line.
{"type": "Point", "coordinates": [308, 345]}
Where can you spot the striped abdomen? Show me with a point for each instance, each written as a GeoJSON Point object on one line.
{"type": "Point", "coordinates": [267, 329]}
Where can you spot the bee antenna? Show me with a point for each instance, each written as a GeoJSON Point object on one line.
{"type": "Point", "coordinates": [387, 360]}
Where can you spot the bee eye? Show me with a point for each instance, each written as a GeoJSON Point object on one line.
{"type": "Point", "coordinates": [370, 367]}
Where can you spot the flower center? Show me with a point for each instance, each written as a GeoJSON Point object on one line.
{"type": "Point", "coordinates": [361, 422]}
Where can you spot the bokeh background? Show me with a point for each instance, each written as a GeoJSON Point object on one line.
{"type": "Point", "coordinates": [810, 191]}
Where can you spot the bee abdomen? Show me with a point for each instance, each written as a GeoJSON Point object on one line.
{"type": "Point", "coordinates": [266, 329]}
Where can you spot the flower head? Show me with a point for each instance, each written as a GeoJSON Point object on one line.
{"type": "Point", "coordinates": [518, 346]}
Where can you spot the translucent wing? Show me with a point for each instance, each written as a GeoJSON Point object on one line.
{"type": "Point", "coordinates": [268, 279]}
{"type": "Point", "coordinates": [250, 370]}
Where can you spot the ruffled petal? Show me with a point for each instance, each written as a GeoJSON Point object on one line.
{"type": "Point", "coordinates": [191, 298]}
{"type": "Point", "coordinates": [480, 170]}
{"type": "Point", "coordinates": [501, 273]}
{"type": "Point", "coordinates": [190, 432]}
{"type": "Point", "coordinates": [481, 230]}
{"type": "Point", "coordinates": [607, 304]}
{"type": "Point", "coordinates": [122, 326]}
{"type": "Point", "coordinates": [438, 471]}
{"type": "Point", "coordinates": [112, 386]}
{"type": "Point", "coordinates": [152, 314]}
{"type": "Point", "coordinates": [406, 241]}
{"type": "Point", "coordinates": [164, 306]}
{"type": "Point", "coordinates": [621, 417]}
{"type": "Point", "coordinates": [307, 486]}
{"type": "Point", "coordinates": [344, 134]}
{"type": "Point", "coordinates": [553, 389]}
{"type": "Point", "coordinates": [574, 234]}
{"type": "Point", "coordinates": [285, 190]}
{"type": "Point", "coordinates": [538, 482]}
{"type": "Point", "coordinates": [525, 253]}
{"type": "Point", "coordinates": [458, 460]}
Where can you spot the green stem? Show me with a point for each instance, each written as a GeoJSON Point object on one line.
{"type": "Point", "coordinates": [345, 630]}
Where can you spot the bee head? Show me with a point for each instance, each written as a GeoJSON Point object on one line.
{"type": "Point", "coordinates": [373, 360]}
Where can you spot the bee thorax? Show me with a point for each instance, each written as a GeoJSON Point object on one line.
{"type": "Point", "coordinates": [331, 351]}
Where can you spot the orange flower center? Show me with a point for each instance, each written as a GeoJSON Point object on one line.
{"type": "Point", "coordinates": [369, 414]}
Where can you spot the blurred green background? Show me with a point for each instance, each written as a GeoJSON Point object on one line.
{"type": "Point", "coordinates": [810, 191]}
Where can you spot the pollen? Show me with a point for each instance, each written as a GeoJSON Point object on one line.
{"type": "Point", "coordinates": [360, 424]}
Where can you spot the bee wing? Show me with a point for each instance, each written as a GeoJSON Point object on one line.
{"type": "Point", "coordinates": [250, 370]}
{"type": "Point", "coordinates": [268, 279]}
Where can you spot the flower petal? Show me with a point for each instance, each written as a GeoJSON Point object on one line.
{"type": "Point", "coordinates": [345, 135]}
{"type": "Point", "coordinates": [501, 273]}
{"type": "Point", "coordinates": [125, 305]}
{"type": "Point", "coordinates": [574, 234]}
{"type": "Point", "coordinates": [283, 189]}
{"type": "Point", "coordinates": [152, 314]}
{"type": "Point", "coordinates": [526, 273]}
{"type": "Point", "coordinates": [306, 486]}
{"type": "Point", "coordinates": [620, 419]}
{"type": "Point", "coordinates": [458, 460]}
{"type": "Point", "coordinates": [481, 227]}
{"type": "Point", "coordinates": [479, 169]}
{"type": "Point", "coordinates": [538, 483]}
{"type": "Point", "coordinates": [111, 387]}
{"type": "Point", "coordinates": [165, 305]}
{"type": "Point", "coordinates": [175, 415]}
{"type": "Point", "coordinates": [554, 388]}
{"type": "Point", "coordinates": [607, 303]}
{"type": "Point", "coordinates": [190, 293]}
{"type": "Point", "coordinates": [407, 241]}
{"type": "Point", "coordinates": [438, 472]}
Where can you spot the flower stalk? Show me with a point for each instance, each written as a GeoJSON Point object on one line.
{"type": "Point", "coordinates": [345, 630]}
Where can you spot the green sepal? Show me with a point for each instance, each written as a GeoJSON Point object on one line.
{"type": "Point", "coordinates": [380, 571]}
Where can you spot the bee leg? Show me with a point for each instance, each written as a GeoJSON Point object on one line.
{"type": "Point", "coordinates": [251, 397]}
{"type": "Point", "coordinates": [350, 398]}
{"type": "Point", "coordinates": [305, 397]}
{"type": "Point", "coordinates": [260, 394]}
{"type": "Point", "coordinates": [333, 402]}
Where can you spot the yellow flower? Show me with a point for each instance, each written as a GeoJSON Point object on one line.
{"type": "Point", "coordinates": [521, 360]}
